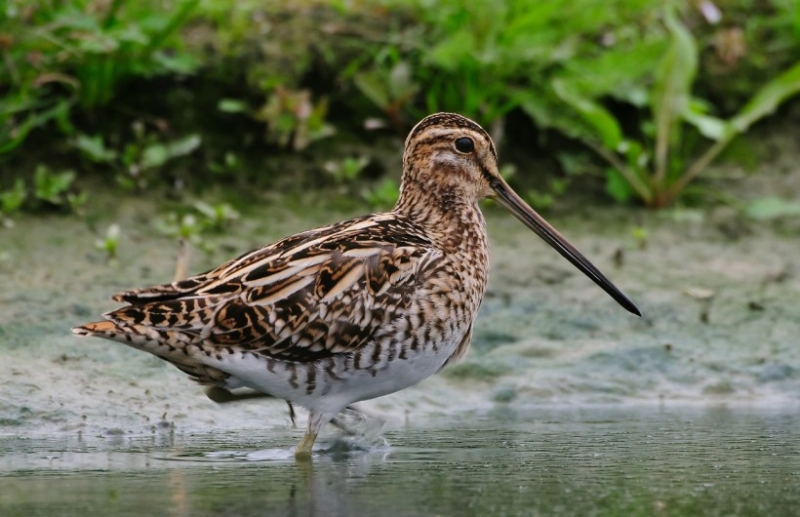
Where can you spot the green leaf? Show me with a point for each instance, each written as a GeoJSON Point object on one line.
{"type": "Point", "coordinates": [454, 52]}
{"type": "Point", "coordinates": [710, 127]}
{"type": "Point", "coordinates": [540, 108]}
{"type": "Point", "coordinates": [77, 201]}
{"type": "Point", "coordinates": [676, 71]}
{"type": "Point", "coordinates": [617, 186]}
{"type": "Point", "coordinates": [49, 186]}
{"type": "Point", "coordinates": [183, 64]}
{"type": "Point", "coordinates": [11, 200]}
{"type": "Point", "coordinates": [130, 33]}
{"type": "Point", "coordinates": [617, 71]}
{"type": "Point", "coordinates": [401, 82]}
{"type": "Point", "coordinates": [31, 122]}
{"type": "Point", "coordinates": [768, 98]}
{"type": "Point", "coordinates": [184, 146]}
{"type": "Point", "coordinates": [673, 81]}
{"type": "Point", "coordinates": [594, 114]}
{"type": "Point", "coordinates": [154, 155]}
{"type": "Point", "coordinates": [373, 88]}
{"type": "Point", "coordinates": [180, 14]}
{"type": "Point", "coordinates": [94, 148]}
{"type": "Point", "coordinates": [232, 106]}
{"type": "Point", "coordinates": [540, 200]}
{"type": "Point", "coordinates": [383, 195]}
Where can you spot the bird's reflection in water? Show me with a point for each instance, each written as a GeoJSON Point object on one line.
{"type": "Point", "coordinates": [324, 486]}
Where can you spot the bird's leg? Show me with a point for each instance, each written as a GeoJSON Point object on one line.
{"type": "Point", "coordinates": [303, 451]}
{"type": "Point", "coordinates": [315, 422]}
{"type": "Point", "coordinates": [222, 395]}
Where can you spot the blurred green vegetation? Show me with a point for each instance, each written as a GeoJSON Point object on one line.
{"type": "Point", "coordinates": [190, 94]}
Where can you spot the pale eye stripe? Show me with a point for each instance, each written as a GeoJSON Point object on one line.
{"type": "Point", "coordinates": [284, 292]}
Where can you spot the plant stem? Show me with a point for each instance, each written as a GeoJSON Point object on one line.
{"type": "Point", "coordinates": [181, 14]}
{"type": "Point", "coordinates": [111, 17]}
{"type": "Point", "coordinates": [697, 167]}
{"type": "Point", "coordinates": [629, 174]}
{"type": "Point", "coordinates": [663, 132]}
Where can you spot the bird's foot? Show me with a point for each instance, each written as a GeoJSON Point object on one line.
{"type": "Point", "coordinates": [303, 451]}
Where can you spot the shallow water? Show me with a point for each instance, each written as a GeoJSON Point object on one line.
{"type": "Point", "coordinates": [578, 461]}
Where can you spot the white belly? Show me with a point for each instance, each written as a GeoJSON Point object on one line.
{"type": "Point", "coordinates": [334, 383]}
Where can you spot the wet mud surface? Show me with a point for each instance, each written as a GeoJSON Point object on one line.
{"type": "Point", "coordinates": [721, 321]}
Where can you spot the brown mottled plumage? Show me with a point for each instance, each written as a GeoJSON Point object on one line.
{"type": "Point", "coordinates": [350, 311]}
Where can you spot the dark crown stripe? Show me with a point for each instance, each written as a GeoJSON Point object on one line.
{"type": "Point", "coordinates": [450, 120]}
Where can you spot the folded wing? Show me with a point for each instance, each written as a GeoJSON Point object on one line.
{"type": "Point", "coordinates": [323, 292]}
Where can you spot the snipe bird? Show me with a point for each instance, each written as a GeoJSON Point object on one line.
{"type": "Point", "coordinates": [350, 311]}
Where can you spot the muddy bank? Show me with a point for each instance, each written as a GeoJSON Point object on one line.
{"type": "Point", "coordinates": [718, 293]}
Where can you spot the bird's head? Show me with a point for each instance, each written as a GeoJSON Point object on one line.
{"type": "Point", "coordinates": [449, 159]}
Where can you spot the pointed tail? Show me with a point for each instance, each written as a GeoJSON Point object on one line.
{"type": "Point", "coordinates": [106, 329]}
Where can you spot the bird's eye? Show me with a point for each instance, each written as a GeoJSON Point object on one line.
{"type": "Point", "coordinates": [465, 145]}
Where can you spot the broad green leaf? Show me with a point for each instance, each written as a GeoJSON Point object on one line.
{"type": "Point", "coordinates": [769, 97]}
{"type": "Point", "coordinates": [673, 80]}
{"type": "Point", "coordinates": [710, 127]}
{"type": "Point", "coordinates": [73, 18]}
{"type": "Point", "coordinates": [383, 195]}
{"type": "Point", "coordinates": [154, 155]}
{"type": "Point", "coordinates": [184, 146]}
{"type": "Point", "coordinates": [454, 52]}
{"type": "Point", "coordinates": [98, 44]}
{"type": "Point", "coordinates": [181, 63]}
{"type": "Point", "coordinates": [618, 72]}
{"type": "Point", "coordinates": [637, 95]}
{"type": "Point", "coordinates": [636, 156]}
{"type": "Point", "coordinates": [675, 73]}
{"type": "Point", "coordinates": [231, 106]}
{"type": "Point", "coordinates": [11, 200]}
{"type": "Point", "coordinates": [594, 114]}
{"type": "Point", "coordinates": [324, 130]}
{"type": "Point", "coordinates": [130, 33]}
{"type": "Point", "coordinates": [49, 186]}
{"type": "Point", "coordinates": [94, 148]}
{"type": "Point", "coordinates": [373, 88]}
{"type": "Point", "coordinates": [540, 108]}
{"type": "Point", "coordinates": [401, 82]}
{"type": "Point", "coordinates": [617, 186]}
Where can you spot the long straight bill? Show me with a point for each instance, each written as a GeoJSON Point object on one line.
{"type": "Point", "coordinates": [509, 199]}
